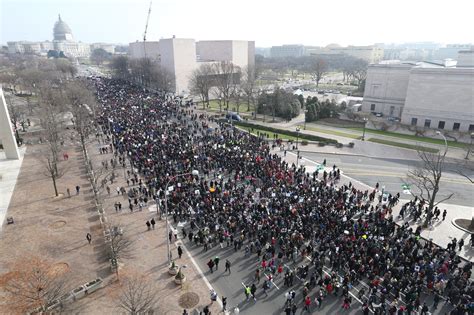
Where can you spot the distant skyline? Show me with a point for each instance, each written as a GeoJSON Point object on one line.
{"type": "Point", "coordinates": [268, 23]}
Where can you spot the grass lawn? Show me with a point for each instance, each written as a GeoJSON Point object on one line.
{"type": "Point", "coordinates": [403, 145]}
{"type": "Point", "coordinates": [331, 132]}
{"type": "Point", "coordinates": [280, 136]}
{"type": "Point", "coordinates": [214, 106]}
{"type": "Point", "coordinates": [410, 137]}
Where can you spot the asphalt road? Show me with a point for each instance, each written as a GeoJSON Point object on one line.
{"type": "Point", "coordinates": [243, 271]}
{"type": "Point", "coordinates": [391, 173]}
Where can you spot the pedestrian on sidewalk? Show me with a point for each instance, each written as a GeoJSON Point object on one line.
{"type": "Point", "coordinates": [153, 223]}
{"type": "Point", "coordinates": [224, 303]}
{"type": "Point", "coordinates": [180, 251]}
{"type": "Point", "coordinates": [294, 308]}
{"type": "Point", "coordinates": [89, 238]}
{"type": "Point", "coordinates": [68, 193]}
{"type": "Point", "coordinates": [213, 296]}
{"type": "Point", "coordinates": [444, 214]}
{"type": "Point", "coordinates": [253, 290]}
{"type": "Point", "coordinates": [216, 262]}
{"type": "Point", "coordinates": [247, 292]}
{"type": "Point", "coordinates": [78, 188]}
{"type": "Point", "coordinates": [307, 303]}
{"type": "Point", "coordinates": [227, 266]}
{"type": "Point", "coordinates": [210, 264]}
{"type": "Point", "coordinates": [461, 243]}
{"type": "Point", "coordinates": [108, 190]}
{"type": "Point", "coordinates": [148, 225]}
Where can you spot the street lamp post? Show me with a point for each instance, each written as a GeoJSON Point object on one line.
{"type": "Point", "coordinates": [445, 142]}
{"type": "Point", "coordinates": [194, 173]}
{"type": "Point", "coordinates": [469, 149]}
{"type": "Point", "coordinates": [297, 136]}
{"type": "Point", "coordinates": [305, 113]}
{"type": "Point", "coordinates": [363, 132]}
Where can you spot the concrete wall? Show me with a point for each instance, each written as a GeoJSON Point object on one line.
{"type": "Point", "coordinates": [136, 50]}
{"type": "Point", "coordinates": [215, 50]}
{"type": "Point", "coordinates": [6, 132]}
{"type": "Point", "coordinates": [386, 88]}
{"type": "Point", "coordinates": [444, 94]}
{"type": "Point", "coordinates": [184, 61]}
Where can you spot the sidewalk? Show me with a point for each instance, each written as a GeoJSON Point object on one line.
{"type": "Point", "coordinates": [149, 254]}
{"type": "Point", "coordinates": [9, 171]}
{"type": "Point", "coordinates": [441, 232]}
{"type": "Point", "coordinates": [364, 148]}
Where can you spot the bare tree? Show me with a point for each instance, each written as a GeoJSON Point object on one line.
{"type": "Point", "coordinates": [120, 67]}
{"type": "Point", "coordinates": [65, 67]}
{"type": "Point", "coordinates": [227, 75]}
{"type": "Point", "coordinates": [50, 110]}
{"type": "Point", "coordinates": [360, 71]}
{"type": "Point", "coordinates": [237, 98]}
{"type": "Point", "coordinates": [82, 106]}
{"type": "Point", "coordinates": [200, 82]}
{"type": "Point", "coordinates": [99, 56]}
{"type": "Point", "coordinates": [163, 79]}
{"type": "Point", "coordinates": [32, 283]}
{"type": "Point", "coordinates": [52, 169]}
{"type": "Point", "coordinates": [319, 68]}
{"type": "Point", "coordinates": [120, 244]}
{"type": "Point", "coordinates": [138, 295]}
{"type": "Point", "coordinates": [426, 178]}
{"type": "Point", "coordinates": [249, 85]}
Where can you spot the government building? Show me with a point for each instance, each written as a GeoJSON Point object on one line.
{"type": "Point", "coordinates": [181, 56]}
{"type": "Point", "coordinates": [437, 95]}
{"type": "Point", "coordinates": [63, 41]}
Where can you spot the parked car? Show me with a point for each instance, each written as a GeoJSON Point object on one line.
{"type": "Point", "coordinates": [233, 116]}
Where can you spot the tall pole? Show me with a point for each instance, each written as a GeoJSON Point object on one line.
{"type": "Point", "coordinates": [305, 113]}
{"type": "Point", "coordinates": [297, 137]}
{"type": "Point", "coordinates": [445, 142]}
{"type": "Point", "coordinates": [363, 132]}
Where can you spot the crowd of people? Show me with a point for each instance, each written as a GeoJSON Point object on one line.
{"type": "Point", "coordinates": [247, 197]}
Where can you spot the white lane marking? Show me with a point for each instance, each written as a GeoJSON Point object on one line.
{"type": "Point", "coordinates": [208, 284]}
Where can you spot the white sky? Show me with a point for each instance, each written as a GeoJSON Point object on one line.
{"type": "Point", "coordinates": [268, 22]}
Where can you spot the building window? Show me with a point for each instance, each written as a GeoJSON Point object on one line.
{"type": "Point", "coordinates": [372, 106]}
{"type": "Point", "coordinates": [456, 126]}
{"type": "Point", "coordinates": [414, 121]}
{"type": "Point", "coordinates": [441, 124]}
{"type": "Point", "coordinates": [471, 127]}
{"type": "Point", "coordinates": [427, 123]}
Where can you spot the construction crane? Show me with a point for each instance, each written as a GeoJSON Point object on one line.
{"type": "Point", "coordinates": [146, 29]}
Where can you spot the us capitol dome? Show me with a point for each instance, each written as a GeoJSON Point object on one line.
{"type": "Point", "coordinates": [61, 31]}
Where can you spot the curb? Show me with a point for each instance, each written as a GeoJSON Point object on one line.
{"type": "Point", "coordinates": [460, 227]}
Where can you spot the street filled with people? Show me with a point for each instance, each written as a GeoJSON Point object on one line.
{"type": "Point", "coordinates": [322, 236]}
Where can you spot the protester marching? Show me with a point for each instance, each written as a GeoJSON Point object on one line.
{"type": "Point", "coordinates": [247, 198]}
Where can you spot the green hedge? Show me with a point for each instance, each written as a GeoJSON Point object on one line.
{"type": "Point", "coordinates": [285, 132]}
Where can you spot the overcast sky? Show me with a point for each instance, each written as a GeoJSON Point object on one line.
{"type": "Point", "coordinates": [268, 22]}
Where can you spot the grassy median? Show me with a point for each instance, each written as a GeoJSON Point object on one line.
{"type": "Point", "coordinates": [404, 145]}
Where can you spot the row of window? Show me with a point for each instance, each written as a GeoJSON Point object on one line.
{"type": "Point", "coordinates": [441, 124]}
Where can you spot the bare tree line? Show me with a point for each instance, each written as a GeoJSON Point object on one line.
{"type": "Point", "coordinates": [143, 71]}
